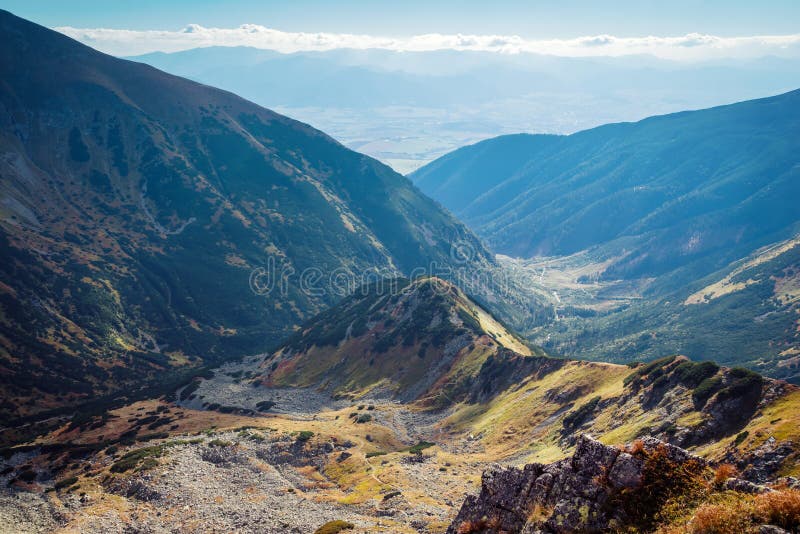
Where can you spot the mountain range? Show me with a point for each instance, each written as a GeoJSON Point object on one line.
{"type": "Point", "coordinates": [408, 108]}
{"type": "Point", "coordinates": [214, 317]}
{"type": "Point", "coordinates": [135, 207]}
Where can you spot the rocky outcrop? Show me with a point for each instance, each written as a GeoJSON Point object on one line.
{"type": "Point", "coordinates": [577, 494]}
{"type": "Point", "coordinates": [762, 463]}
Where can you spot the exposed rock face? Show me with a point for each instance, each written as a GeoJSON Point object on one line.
{"type": "Point", "coordinates": [571, 495]}
{"type": "Point", "coordinates": [762, 463]}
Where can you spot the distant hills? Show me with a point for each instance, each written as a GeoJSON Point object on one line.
{"type": "Point", "coordinates": [641, 216]}
{"type": "Point", "coordinates": [408, 108]}
{"type": "Point", "coordinates": [135, 207]}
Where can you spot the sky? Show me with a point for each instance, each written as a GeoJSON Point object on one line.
{"type": "Point", "coordinates": [691, 29]}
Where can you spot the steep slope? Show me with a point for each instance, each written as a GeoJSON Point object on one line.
{"type": "Point", "coordinates": [744, 314]}
{"type": "Point", "coordinates": [148, 222]}
{"type": "Point", "coordinates": [700, 188]}
{"type": "Point", "coordinates": [411, 340]}
{"type": "Point", "coordinates": [623, 229]}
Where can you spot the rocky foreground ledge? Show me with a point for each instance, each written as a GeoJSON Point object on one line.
{"type": "Point", "coordinates": [599, 489]}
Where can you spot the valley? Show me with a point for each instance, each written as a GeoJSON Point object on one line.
{"type": "Point", "coordinates": [648, 238]}
{"type": "Point", "coordinates": [279, 442]}
{"type": "Point", "coordinates": [216, 318]}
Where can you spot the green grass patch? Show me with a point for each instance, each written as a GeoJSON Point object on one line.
{"type": "Point", "coordinates": [419, 447]}
{"type": "Point", "coordinates": [305, 435]}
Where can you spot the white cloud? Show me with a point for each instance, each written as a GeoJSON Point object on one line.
{"type": "Point", "coordinates": [692, 46]}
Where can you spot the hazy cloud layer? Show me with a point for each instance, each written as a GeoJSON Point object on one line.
{"type": "Point", "coordinates": [690, 46]}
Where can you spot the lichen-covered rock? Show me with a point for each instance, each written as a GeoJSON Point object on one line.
{"type": "Point", "coordinates": [572, 495]}
{"type": "Point", "coordinates": [745, 486]}
{"type": "Point", "coordinates": [766, 460]}
{"type": "Point", "coordinates": [626, 471]}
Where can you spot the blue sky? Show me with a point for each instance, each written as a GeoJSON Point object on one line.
{"type": "Point", "coordinates": [534, 19]}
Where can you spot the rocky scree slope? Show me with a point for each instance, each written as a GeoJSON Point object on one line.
{"type": "Point", "coordinates": [135, 205]}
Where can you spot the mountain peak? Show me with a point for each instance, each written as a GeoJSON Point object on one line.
{"type": "Point", "coordinates": [410, 339]}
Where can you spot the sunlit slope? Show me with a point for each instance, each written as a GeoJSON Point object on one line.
{"type": "Point", "coordinates": [413, 340]}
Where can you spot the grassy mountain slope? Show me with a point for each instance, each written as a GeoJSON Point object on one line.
{"type": "Point", "coordinates": [428, 345]}
{"type": "Point", "coordinates": [624, 228]}
{"type": "Point", "coordinates": [700, 188]}
{"type": "Point", "coordinates": [745, 314]}
{"type": "Point", "coordinates": [411, 340]}
{"type": "Point", "coordinates": [135, 205]}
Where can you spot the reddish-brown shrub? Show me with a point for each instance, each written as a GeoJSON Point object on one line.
{"type": "Point", "coordinates": [780, 508]}
{"type": "Point", "coordinates": [637, 447]}
{"type": "Point", "coordinates": [468, 527]}
{"type": "Point", "coordinates": [723, 473]}
{"type": "Point", "coordinates": [723, 518]}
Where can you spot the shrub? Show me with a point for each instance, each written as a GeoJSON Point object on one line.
{"type": "Point", "coordinates": [419, 447]}
{"type": "Point", "coordinates": [723, 473]}
{"type": "Point", "coordinates": [364, 418]}
{"type": "Point", "coordinates": [468, 527]}
{"type": "Point", "coordinates": [334, 527]}
{"type": "Point", "coordinates": [252, 436]}
{"type": "Point", "coordinates": [147, 463]}
{"type": "Point", "coordinates": [666, 486]}
{"type": "Point", "coordinates": [780, 508]}
{"type": "Point", "coordinates": [27, 475]}
{"type": "Point", "coordinates": [480, 525]}
{"type": "Point", "coordinates": [724, 518]}
{"type": "Point", "coordinates": [66, 482]}
{"type": "Point", "coordinates": [265, 406]}
{"type": "Point", "coordinates": [373, 454]}
{"type": "Point", "coordinates": [743, 383]}
{"type": "Point", "coordinates": [305, 435]}
{"type": "Point", "coordinates": [133, 458]}
{"type": "Point", "coordinates": [705, 390]}
{"type": "Point", "coordinates": [741, 437]}
{"type": "Point", "coordinates": [219, 443]}
{"type": "Point", "coordinates": [691, 374]}
{"type": "Point", "coordinates": [637, 447]}
{"type": "Point", "coordinates": [653, 368]}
